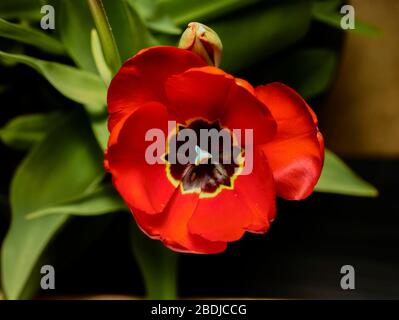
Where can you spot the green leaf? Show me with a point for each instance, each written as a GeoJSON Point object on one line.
{"type": "Point", "coordinates": [101, 200]}
{"type": "Point", "coordinates": [308, 71]}
{"type": "Point", "coordinates": [183, 11]}
{"type": "Point", "coordinates": [130, 33]}
{"type": "Point", "coordinates": [105, 34]}
{"type": "Point", "coordinates": [24, 131]}
{"type": "Point", "coordinates": [100, 129]}
{"type": "Point", "coordinates": [78, 85]}
{"type": "Point", "coordinates": [30, 36]}
{"type": "Point", "coordinates": [253, 35]}
{"type": "Point", "coordinates": [157, 263]}
{"type": "Point", "coordinates": [337, 177]}
{"type": "Point", "coordinates": [76, 23]}
{"type": "Point", "coordinates": [99, 59]}
{"type": "Point", "coordinates": [155, 17]}
{"type": "Point", "coordinates": [62, 166]}
{"type": "Point", "coordinates": [163, 24]}
{"type": "Point", "coordinates": [13, 9]}
{"type": "Point", "coordinates": [329, 12]}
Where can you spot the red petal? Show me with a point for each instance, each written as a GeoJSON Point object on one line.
{"type": "Point", "coordinates": [141, 79]}
{"type": "Point", "coordinates": [245, 84]}
{"type": "Point", "coordinates": [296, 154]}
{"type": "Point", "coordinates": [249, 206]}
{"type": "Point", "coordinates": [199, 93]}
{"type": "Point", "coordinates": [171, 226]}
{"type": "Point", "coordinates": [212, 94]}
{"type": "Point", "coordinates": [245, 111]}
{"type": "Point", "coordinates": [257, 190]}
{"type": "Point", "coordinates": [143, 186]}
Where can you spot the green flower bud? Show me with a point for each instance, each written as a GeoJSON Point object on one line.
{"type": "Point", "coordinates": [202, 40]}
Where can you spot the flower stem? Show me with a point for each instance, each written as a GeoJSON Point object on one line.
{"type": "Point", "coordinates": [158, 266]}
{"type": "Point", "coordinates": [105, 34]}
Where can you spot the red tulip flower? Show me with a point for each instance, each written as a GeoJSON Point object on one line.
{"type": "Point", "coordinates": [201, 207]}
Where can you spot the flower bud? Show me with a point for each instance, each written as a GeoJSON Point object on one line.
{"type": "Point", "coordinates": [202, 40]}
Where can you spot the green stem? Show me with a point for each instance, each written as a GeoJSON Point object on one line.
{"type": "Point", "coordinates": [158, 266]}
{"type": "Point", "coordinates": [105, 34]}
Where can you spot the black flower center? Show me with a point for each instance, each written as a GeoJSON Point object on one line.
{"type": "Point", "coordinates": [203, 157]}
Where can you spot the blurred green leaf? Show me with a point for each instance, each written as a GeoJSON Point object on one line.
{"type": "Point", "coordinates": [24, 131]}
{"type": "Point", "coordinates": [253, 35]}
{"type": "Point", "coordinates": [100, 129]}
{"type": "Point", "coordinates": [75, 25]}
{"type": "Point", "coordinates": [308, 71]}
{"type": "Point", "coordinates": [130, 33]}
{"type": "Point", "coordinates": [157, 263]}
{"type": "Point", "coordinates": [30, 36]}
{"type": "Point", "coordinates": [62, 166]}
{"type": "Point", "coordinates": [106, 34]}
{"type": "Point", "coordinates": [78, 85]}
{"type": "Point", "coordinates": [99, 59]}
{"type": "Point", "coordinates": [183, 11]}
{"type": "Point", "coordinates": [12, 9]}
{"type": "Point", "coordinates": [155, 17]}
{"type": "Point", "coordinates": [100, 200]}
{"type": "Point", "coordinates": [337, 177]}
{"type": "Point", "coordinates": [163, 24]}
{"type": "Point", "coordinates": [328, 12]}
{"type": "Point", "coordinates": [76, 21]}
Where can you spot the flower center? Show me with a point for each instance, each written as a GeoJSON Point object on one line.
{"type": "Point", "coordinates": [202, 158]}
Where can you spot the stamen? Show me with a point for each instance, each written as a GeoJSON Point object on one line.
{"type": "Point", "coordinates": [201, 156]}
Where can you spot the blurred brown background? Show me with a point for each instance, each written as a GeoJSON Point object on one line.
{"type": "Point", "coordinates": [361, 114]}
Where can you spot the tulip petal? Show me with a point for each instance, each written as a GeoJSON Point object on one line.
{"type": "Point", "coordinates": [210, 93]}
{"type": "Point", "coordinates": [142, 185]}
{"type": "Point", "coordinates": [141, 79]}
{"type": "Point", "coordinates": [258, 192]}
{"type": "Point", "coordinates": [171, 226]}
{"type": "Point", "coordinates": [245, 84]}
{"type": "Point", "coordinates": [296, 154]}
{"type": "Point", "coordinates": [249, 206]}
{"type": "Point", "coordinates": [198, 93]}
{"type": "Point", "coordinates": [245, 112]}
